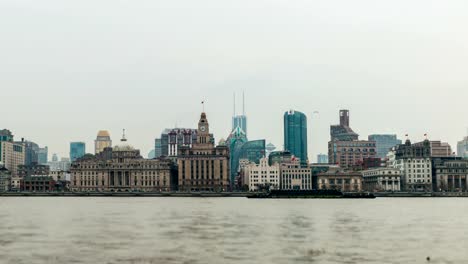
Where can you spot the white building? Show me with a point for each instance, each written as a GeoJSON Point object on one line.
{"type": "Point", "coordinates": [462, 148]}
{"type": "Point", "coordinates": [382, 179]}
{"type": "Point", "coordinates": [256, 175]}
{"type": "Point", "coordinates": [416, 172]}
{"type": "Point", "coordinates": [293, 176]}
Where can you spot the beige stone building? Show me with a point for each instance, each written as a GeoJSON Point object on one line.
{"type": "Point", "coordinates": [12, 155]}
{"type": "Point", "coordinates": [262, 174]}
{"type": "Point", "coordinates": [121, 169]}
{"type": "Point", "coordinates": [102, 141]}
{"type": "Point", "coordinates": [382, 180]}
{"type": "Point", "coordinates": [337, 179]}
{"type": "Point", "coordinates": [203, 166]}
{"type": "Point", "coordinates": [294, 176]}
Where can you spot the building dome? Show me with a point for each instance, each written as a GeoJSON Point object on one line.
{"type": "Point", "coordinates": [222, 142]}
{"type": "Point", "coordinates": [103, 133]}
{"type": "Point", "coordinates": [123, 147]}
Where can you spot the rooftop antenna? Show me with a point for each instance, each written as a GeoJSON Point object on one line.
{"type": "Point", "coordinates": [123, 136]}
{"type": "Point", "coordinates": [243, 103]}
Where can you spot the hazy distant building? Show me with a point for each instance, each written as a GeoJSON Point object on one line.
{"type": "Point", "coordinates": [239, 120]}
{"type": "Point", "coordinates": [30, 153]}
{"type": "Point", "coordinates": [345, 149]}
{"type": "Point", "coordinates": [151, 154]}
{"type": "Point", "coordinates": [270, 148]}
{"type": "Point", "coordinates": [384, 143]}
{"type": "Point", "coordinates": [77, 150]}
{"type": "Point", "coordinates": [103, 140]}
{"type": "Point", "coordinates": [59, 165]}
{"type": "Point", "coordinates": [43, 156]}
{"type": "Point", "coordinates": [438, 149]}
{"type": "Point", "coordinates": [295, 134]}
{"type": "Point", "coordinates": [462, 148]}
{"type": "Point", "coordinates": [202, 166]}
{"type": "Point", "coordinates": [322, 158]}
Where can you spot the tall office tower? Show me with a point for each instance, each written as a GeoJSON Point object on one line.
{"type": "Point", "coordinates": [42, 156]}
{"type": "Point", "coordinates": [345, 149]}
{"type": "Point", "coordinates": [462, 148]}
{"type": "Point", "coordinates": [295, 134]}
{"type": "Point", "coordinates": [103, 140]}
{"type": "Point", "coordinates": [384, 143]}
{"type": "Point", "coordinates": [30, 150]}
{"type": "Point", "coordinates": [77, 150]}
{"type": "Point", "coordinates": [239, 120]}
{"type": "Point", "coordinates": [12, 154]}
{"type": "Point", "coordinates": [157, 148]}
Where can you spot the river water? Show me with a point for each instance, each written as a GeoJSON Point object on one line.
{"type": "Point", "coordinates": [232, 230]}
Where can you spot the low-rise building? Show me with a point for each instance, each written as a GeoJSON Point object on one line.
{"type": "Point", "coordinates": [295, 176]}
{"type": "Point", "coordinates": [5, 179]}
{"type": "Point", "coordinates": [340, 180]}
{"type": "Point", "coordinates": [451, 175]}
{"type": "Point", "coordinates": [382, 180]}
{"type": "Point", "coordinates": [37, 183]}
{"type": "Point", "coordinates": [262, 176]}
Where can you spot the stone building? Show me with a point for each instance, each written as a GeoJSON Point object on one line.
{"type": "Point", "coordinates": [121, 169]}
{"type": "Point", "coordinates": [340, 180]}
{"type": "Point", "coordinates": [414, 163]}
{"type": "Point", "coordinates": [345, 149]}
{"type": "Point", "coordinates": [5, 179]}
{"type": "Point", "coordinates": [451, 175]}
{"type": "Point", "coordinates": [262, 175]}
{"type": "Point", "coordinates": [295, 176]}
{"type": "Point", "coordinates": [438, 149]}
{"type": "Point", "coordinates": [35, 178]}
{"type": "Point", "coordinates": [381, 180]}
{"type": "Point", "coordinates": [202, 166]}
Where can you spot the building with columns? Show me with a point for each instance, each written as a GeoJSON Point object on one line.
{"type": "Point", "coordinates": [382, 180]}
{"type": "Point", "coordinates": [451, 174]}
{"type": "Point", "coordinates": [340, 180]}
{"type": "Point", "coordinates": [203, 166]}
{"type": "Point", "coordinates": [121, 169]}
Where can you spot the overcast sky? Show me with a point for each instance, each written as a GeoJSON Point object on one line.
{"type": "Point", "coordinates": [70, 68]}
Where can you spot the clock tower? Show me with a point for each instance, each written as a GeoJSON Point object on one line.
{"type": "Point", "coordinates": [203, 135]}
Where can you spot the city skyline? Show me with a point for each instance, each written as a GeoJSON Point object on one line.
{"type": "Point", "coordinates": [146, 66]}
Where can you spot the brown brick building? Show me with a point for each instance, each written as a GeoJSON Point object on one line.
{"type": "Point", "coordinates": [202, 166]}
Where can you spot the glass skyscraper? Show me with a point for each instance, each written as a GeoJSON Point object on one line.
{"type": "Point", "coordinates": [384, 143]}
{"type": "Point", "coordinates": [77, 150]}
{"type": "Point", "coordinates": [240, 121]}
{"type": "Point", "coordinates": [295, 134]}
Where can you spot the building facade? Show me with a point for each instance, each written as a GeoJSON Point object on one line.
{"type": "Point", "coordinates": [384, 143]}
{"type": "Point", "coordinates": [202, 166]}
{"type": "Point", "coordinates": [382, 180]}
{"type": "Point", "coordinates": [340, 180]}
{"type": "Point", "coordinates": [43, 155]}
{"type": "Point", "coordinates": [414, 163]}
{"type": "Point", "coordinates": [295, 134]}
{"type": "Point", "coordinates": [462, 148]}
{"type": "Point", "coordinates": [5, 179]}
{"type": "Point", "coordinates": [121, 169]}
{"type": "Point", "coordinates": [157, 148]}
{"type": "Point", "coordinates": [345, 149]}
{"type": "Point", "coordinates": [438, 149]}
{"type": "Point", "coordinates": [12, 155]}
{"type": "Point", "coordinates": [295, 176]}
{"type": "Point", "coordinates": [262, 176]}
{"type": "Point", "coordinates": [451, 175]}
{"type": "Point", "coordinates": [77, 150]}
{"type": "Point", "coordinates": [103, 140]}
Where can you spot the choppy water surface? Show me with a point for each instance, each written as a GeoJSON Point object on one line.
{"type": "Point", "coordinates": [232, 230]}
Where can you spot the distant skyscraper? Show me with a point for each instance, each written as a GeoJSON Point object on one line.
{"type": "Point", "coordinates": [157, 148]}
{"type": "Point", "coordinates": [384, 143]}
{"type": "Point", "coordinates": [239, 120]}
{"type": "Point", "coordinates": [42, 156]}
{"type": "Point", "coordinates": [30, 149]}
{"type": "Point", "coordinates": [462, 148]}
{"type": "Point", "coordinates": [102, 141]}
{"type": "Point", "coordinates": [151, 154]}
{"type": "Point", "coordinates": [343, 131]}
{"type": "Point", "coordinates": [295, 134]}
{"type": "Point", "coordinates": [322, 158]}
{"type": "Point", "coordinates": [12, 154]}
{"type": "Point", "coordinates": [77, 150]}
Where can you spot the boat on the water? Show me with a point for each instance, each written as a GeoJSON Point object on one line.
{"type": "Point", "coordinates": [310, 194]}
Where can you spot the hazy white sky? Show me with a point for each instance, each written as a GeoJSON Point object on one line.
{"type": "Point", "coordinates": [70, 68]}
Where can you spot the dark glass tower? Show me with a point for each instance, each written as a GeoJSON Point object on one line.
{"type": "Point", "coordinates": [295, 134]}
